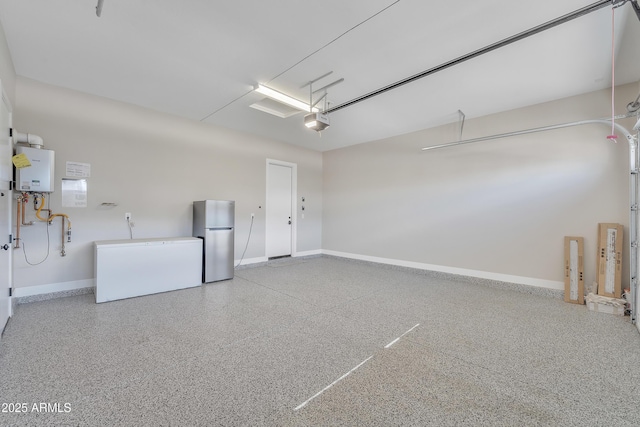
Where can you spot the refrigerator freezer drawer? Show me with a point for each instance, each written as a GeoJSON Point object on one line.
{"type": "Point", "coordinates": [218, 255]}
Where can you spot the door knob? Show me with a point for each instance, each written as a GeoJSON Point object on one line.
{"type": "Point", "coordinates": [5, 247]}
{"type": "Point", "coordinates": [289, 222]}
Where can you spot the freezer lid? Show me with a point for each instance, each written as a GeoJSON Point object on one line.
{"type": "Point", "coordinates": [146, 242]}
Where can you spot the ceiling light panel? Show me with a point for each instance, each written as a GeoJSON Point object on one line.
{"type": "Point", "coordinates": [275, 108]}
{"type": "Point", "coordinates": [285, 99]}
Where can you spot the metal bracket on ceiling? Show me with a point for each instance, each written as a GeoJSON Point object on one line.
{"type": "Point", "coordinates": [323, 88]}
{"type": "Point", "coordinates": [461, 118]}
{"type": "Point", "coordinates": [310, 82]}
{"type": "Point", "coordinates": [319, 99]}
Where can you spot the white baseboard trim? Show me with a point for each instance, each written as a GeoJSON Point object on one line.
{"type": "Point", "coordinates": [522, 280]}
{"type": "Point", "coordinates": [258, 260]}
{"type": "Point", "coordinates": [307, 253]}
{"type": "Point", "coordinates": [49, 288]}
{"type": "Point", "coordinates": [530, 281]}
{"type": "Point", "coordinates": [251, 261]}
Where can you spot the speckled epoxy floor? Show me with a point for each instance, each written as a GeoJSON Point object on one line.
{"type": "Point", "coordinates": [247, 352]}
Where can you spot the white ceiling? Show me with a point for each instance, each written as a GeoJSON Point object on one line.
{"type": "Point", "coordinates": [200, 59]}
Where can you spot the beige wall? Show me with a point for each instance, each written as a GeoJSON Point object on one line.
{"type": "Point", "coordinates": [501, 206]}
{"type": "Point", "coordinates": [152, 165]}
{"type": "Point", "coordinates": [7, 71]}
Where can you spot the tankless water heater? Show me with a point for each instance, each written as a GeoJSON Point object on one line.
{"type": "Point", "coordinates": [39, 177]}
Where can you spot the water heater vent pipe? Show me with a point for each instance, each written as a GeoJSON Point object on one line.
{"type": "Point", "coordinates": [34, 141]}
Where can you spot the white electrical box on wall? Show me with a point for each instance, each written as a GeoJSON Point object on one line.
{"type": "Point", "coordinates": [39, 177]}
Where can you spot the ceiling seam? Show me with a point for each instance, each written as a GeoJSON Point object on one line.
{"type": "Point", "coordinates": [335, 39]}
{"type": "Point", "coordinates": [486, 49]}
{"type": "Point", "coordinates": [305, 58]}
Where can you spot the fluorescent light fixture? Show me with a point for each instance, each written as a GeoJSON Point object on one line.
{"type": "Point", "coordinates": [316, 121]}
{"type": "Point", "coordinates": [285, 99]}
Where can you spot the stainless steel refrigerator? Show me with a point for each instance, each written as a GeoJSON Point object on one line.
{"type": "Point", "coordinates": [213, 221]}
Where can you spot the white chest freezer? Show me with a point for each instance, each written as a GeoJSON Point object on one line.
{"type": "Point", "coordinates": [131, 268]}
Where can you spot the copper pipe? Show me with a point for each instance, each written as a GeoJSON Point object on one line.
{"type": "Point", "coordinates": [25, 199]}
{"type": "Point", "coordinates": [17, 239]}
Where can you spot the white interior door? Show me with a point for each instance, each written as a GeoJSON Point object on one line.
{"type": "Point", "coordinates": [279, 220]}
{"type": "Point", "coordinates": [6, 172]}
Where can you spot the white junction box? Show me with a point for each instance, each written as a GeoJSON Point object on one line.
{"type": "Point", "coordinates": [38, 177]}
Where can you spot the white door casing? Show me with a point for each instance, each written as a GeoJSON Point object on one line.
{"type": "Point", "coordinates": [6, 173]}
{"type": "Point", "coordinates": [280, 209]}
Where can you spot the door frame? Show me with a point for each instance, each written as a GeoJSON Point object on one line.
{"type": "Point", "coordinates": [6, 186]}
{"type": "Point", "coordinates": [294, 206]}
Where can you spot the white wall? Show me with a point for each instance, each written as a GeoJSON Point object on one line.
{"type": "Point", "coordinates": [500, 207]}
{"type": "Point", "coordinates": [152, 165]}
{"type": "Point", "coordinates": [7, 71]}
